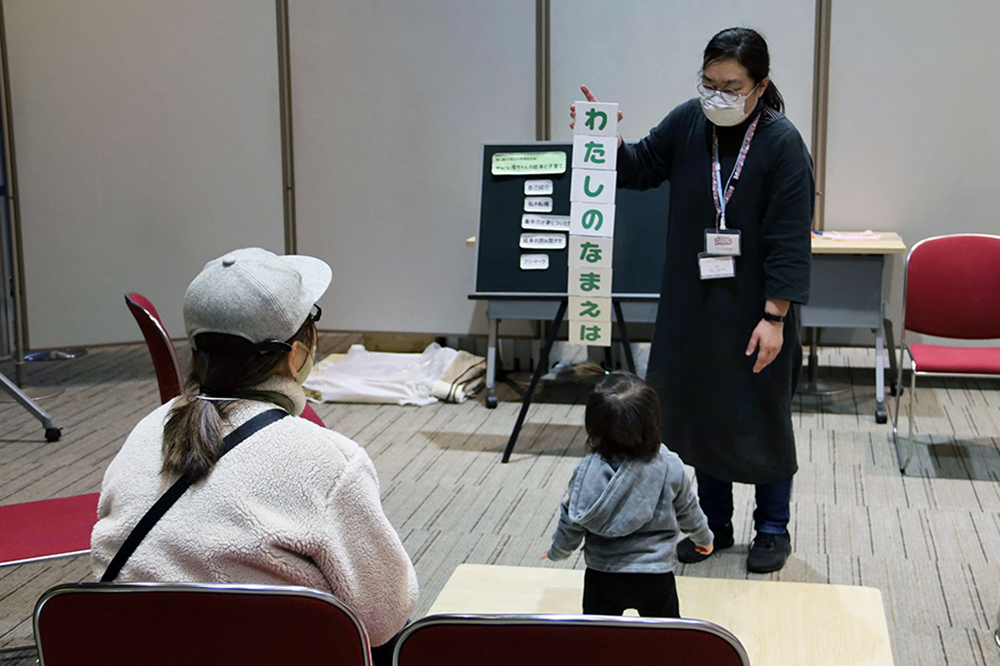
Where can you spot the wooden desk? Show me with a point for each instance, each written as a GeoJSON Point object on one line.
{"type": "Point", "coordinates": [779, 624]}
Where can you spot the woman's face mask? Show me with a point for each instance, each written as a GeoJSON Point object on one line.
{"type": "Point", "coordinates": [303, 373]}
{"type": "Point", "coordinates": [724, 109]}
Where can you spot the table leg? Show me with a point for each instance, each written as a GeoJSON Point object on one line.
{"type": "Point", "coordinates": [881, 415]}
{"type": "Point", "coordinates": [540, 368]}
{"type": "Point", "coordinates": [891, 346]}
{"type": "Point", "coordinates": [491, 364]}
{"type": "Point", "coordinates": [811, 384]}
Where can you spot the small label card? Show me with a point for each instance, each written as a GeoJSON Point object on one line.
{"type": "Point", "coordinates": [534, 262]}
{"type": "Point", "coordinates": [596, 119]}
{"type": "Point", "coordinates": [526, 164]}
{"type": "Point", "coordinates": [590, 251]}
{"type": "Point", "coordinates": [586, 308]}
{"type": "Point", "coordinates": [545, 222]}
{"type": "Point", "coordinates": [592, 219]}
{"type": "Point", "coordinates": [595, 334]}
{"type": "Point", "coordinates": [589, 281]}
{"type": "Point", "coordinates": [538, 204]}
{"type": "Point", "coordinates": [543, 241]}
{"type": "Point", "coordinates": [593, 186]}
{"type": "Point", "coordinates": [713, 268]}
{"type": "Point", "coordinates": [595, 152]}
{"type": "Point", "coordinates": [538, 187]}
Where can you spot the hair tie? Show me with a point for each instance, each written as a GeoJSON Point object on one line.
{"type": "Point", "coordinates": [213, 399]}
{"type": "Point", "coordinates": [606, 372]}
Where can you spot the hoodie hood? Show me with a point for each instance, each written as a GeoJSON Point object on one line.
{"type": "Point", "coordinates": [616, 502]}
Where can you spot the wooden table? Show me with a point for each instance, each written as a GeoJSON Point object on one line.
{"type": "Point", "coordinates": [779, 624]}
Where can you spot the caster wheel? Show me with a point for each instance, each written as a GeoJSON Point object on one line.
{"type": "Point", "coordinates": [52, 434]}
{"type": "Point", "coordinates": [881, 416]}
{"type": "Point", "coordinates": [491, 402]}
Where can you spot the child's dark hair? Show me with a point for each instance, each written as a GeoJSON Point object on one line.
{"type": "Point", "coordinates": [623, 417]}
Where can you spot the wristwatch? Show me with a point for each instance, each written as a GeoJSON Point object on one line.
{"type": "Point", "coordinates": [773, 317]}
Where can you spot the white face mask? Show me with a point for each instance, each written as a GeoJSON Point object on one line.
{"type": "Point", "coordinates": [723, 113]}
{"type": "Point", "coordinates": [303, 374]}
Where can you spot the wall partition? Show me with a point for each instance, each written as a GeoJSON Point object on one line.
{"type": "Point", "coordinates": [147, 142]}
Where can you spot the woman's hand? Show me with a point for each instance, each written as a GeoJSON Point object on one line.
{"type": "Point", "coordinates": [590, 98]}
{"type": "Point", "coordinates": [766, 340]}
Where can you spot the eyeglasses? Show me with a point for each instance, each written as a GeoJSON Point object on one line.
{"type": "Point", "coordinates": [728, 96]}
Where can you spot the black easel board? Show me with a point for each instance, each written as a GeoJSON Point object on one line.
{"type": "Point", "coordinates": [640, 232]}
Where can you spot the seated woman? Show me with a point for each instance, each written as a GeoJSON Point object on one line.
{"type": "Point", "coordinates": [293, 503]}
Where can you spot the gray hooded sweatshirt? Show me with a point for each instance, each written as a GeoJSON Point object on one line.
{"type": "Point", "coordinates": [630, 513]}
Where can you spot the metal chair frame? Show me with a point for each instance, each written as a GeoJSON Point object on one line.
{"type": "Point", "coordinates": [904, 349]}
{"type": "Point", "coordinates": [571, 620]}
{"type": "Point", "coordinates": [195, 588]}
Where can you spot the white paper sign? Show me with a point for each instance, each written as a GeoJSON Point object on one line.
{"type": "Point", "coordinates": [595, 334]}
{"type": "Point", "coordinates": [545, 222]}
{"type": "Point", "coordinates": [596, 119]}
{"type": "Point", "coordinates": [595, 152]}
{"type": "Point", "coordinates": [538, 204]}
{"type": "Point", "coordinates": [534, 262]}
{"type": "Point", "coordinates": [593, 186]}
{"type": "Point", "coordinates": [543, 241]}
{"type": "Point", "coordinates": [589, 281]}
{"type": "Point", "coordinates": [590, 309]}
{"type": "Point", "coordinates": [538, 187]}
{"type": "Point", "coordinates": [592, 219]}
{"type": "Point", "coordinates": [590, 251]}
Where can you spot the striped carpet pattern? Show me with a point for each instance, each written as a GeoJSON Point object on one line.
{"type": "Point", "coordinates": [930, 540]}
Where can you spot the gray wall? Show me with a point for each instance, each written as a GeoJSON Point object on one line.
{"type": "Point", "coordinates": [912, 141]}
{"type": "Point", "coordinates": [148, 142]}
{"type": "Point", "coordinates": [148, 135]}
{"type": "Point", "coordinates": [393, 101]}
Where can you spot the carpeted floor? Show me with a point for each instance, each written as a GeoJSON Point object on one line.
{"type": "Point", "coordinates": [930, 540]}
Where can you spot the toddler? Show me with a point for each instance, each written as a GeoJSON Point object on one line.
{"type": "Point", "coordinates": [628, 500]}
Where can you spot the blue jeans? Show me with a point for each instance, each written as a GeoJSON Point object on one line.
{"type": "Point", "coordinates": [773, 499]}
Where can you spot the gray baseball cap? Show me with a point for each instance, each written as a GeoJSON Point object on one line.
{"type": "Point", "coordinates": [254, 294]}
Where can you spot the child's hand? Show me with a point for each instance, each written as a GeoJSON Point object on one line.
{"type": "Point", "coordinates": [705, 550]}
{"type": "Point", "coordinates": [545, 556]}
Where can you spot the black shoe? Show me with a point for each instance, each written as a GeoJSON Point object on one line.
{"type": "Point", "coordinates": [768, 552]}
{"type": "Point", "coordinates": [688, 554]}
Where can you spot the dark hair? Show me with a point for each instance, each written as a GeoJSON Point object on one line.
{"type": "Point", "coordinates": [749, 49]}
{"type": "Point", "coordinates": [623, 418]}
{"type": "Point", "coordinates": [192, 437]}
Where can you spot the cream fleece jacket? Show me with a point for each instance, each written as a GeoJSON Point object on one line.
{"type": "Point", "coordinates": [295, 504]}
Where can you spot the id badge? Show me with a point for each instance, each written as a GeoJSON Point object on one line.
{"type": "Point", "coordinates": [722, 243]}
{"type": "Point", "coordinates": [713, 268]}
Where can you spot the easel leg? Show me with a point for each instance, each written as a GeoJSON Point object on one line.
{"type": "Point", "coordinates": [491, 364]}
{"type": "Point", "coordinates": [623, 333]}
{"type": "Point", "coordinates": [543, 363]}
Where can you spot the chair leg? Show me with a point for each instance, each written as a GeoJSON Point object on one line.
{"type": "Point", "coordinates": [910, 419]}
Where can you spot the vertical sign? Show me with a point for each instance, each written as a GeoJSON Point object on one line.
{"type": "Point", "coordinates": [592, 222]}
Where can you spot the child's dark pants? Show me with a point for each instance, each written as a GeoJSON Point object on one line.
{"type": "Point", "coordinates": [652, 594]}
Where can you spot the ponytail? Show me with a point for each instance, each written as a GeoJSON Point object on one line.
{"type": "Point", "coordinates": [193, 434]}
{"type": "Point", "coordinates": [773, 99]}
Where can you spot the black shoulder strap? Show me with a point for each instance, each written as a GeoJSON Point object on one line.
{"type": "Point", "coordinates": [173, 493]}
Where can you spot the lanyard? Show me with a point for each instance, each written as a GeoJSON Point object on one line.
{"type": "Point", "coordinates": [721, 194]}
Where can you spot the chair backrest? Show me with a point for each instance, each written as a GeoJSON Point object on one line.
{"type": "Point", "coordinates": [161, 347]}
{"type": "Point", "coordinates": [564, 640]}
{"type": "Point", "coordinates": [166, 624]}
{"type": "Point", "coordinates": [953, 287]}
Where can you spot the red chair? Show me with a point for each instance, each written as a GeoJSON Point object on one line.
{"type": "Point", "coordinates": [166, 624]}
{"type": "Point", "coordinates": [951, 290]}
{"type": "Point", "coordinates": [47, 529]}
{"type": "Point", "coordinates": [565, 640]}
{"type": "Point", "coordinates": [161, 348]}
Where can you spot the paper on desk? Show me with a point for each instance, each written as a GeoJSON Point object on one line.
{"type": "Point", "coordinates": [868, 235]}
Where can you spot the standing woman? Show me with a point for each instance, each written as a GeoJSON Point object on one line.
{"type": "Point", "coordinates": [726, 355]}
